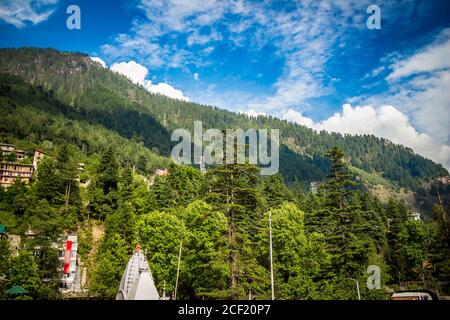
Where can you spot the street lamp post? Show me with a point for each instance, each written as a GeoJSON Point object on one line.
{"type": "Point", "coordinates": [271, 258]}
{"type": "Point", "coordinates": [178, 270]}
{"type": "Point", "coordinates": [357, 288]}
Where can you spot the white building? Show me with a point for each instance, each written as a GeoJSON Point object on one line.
{"type": "Point", "coordinates": [416, 216]}
{"type": "Point", "coordinates": [69, 271]}
{"type": "Point", "coordinates": [137, 280]}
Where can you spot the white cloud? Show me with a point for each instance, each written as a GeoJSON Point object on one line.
{"type": "Point", "coordinates": [419, 86]}
{"type": "Point", "coordinates": [196, 76]}
{"type": "Point", "coordinates": [99, 60]}
{"type": "Point", "coordinates": [208, 50]}
{"type": "Point", "coordinates": [433, 57]}
{"type": "Point", "coordinates": [297, 117]}
{"type": "Point", "coordinates": [304, 38]}
{"type": "Point", "coordinates": [137, 73]}
{"type": "Point", "coordinates": [197, 38]}
{"type": "Point", "coordinates": [132, 70]}
{"type": "Point", "coordinates": [386, 122]}
{"type": "Point", "coordinates": [176, 15]}
{"type": "Point", "coordinates": [167, 90]}
{"type": "Point", "coordinates": [19, 12]}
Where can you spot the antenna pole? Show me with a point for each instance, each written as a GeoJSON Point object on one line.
{"type": "Point", "coordinates": [178, 270]}
{"type": "Point", "coordinates": [271, 257]}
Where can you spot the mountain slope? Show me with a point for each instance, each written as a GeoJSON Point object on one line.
{"type": "Point", "coordinates": [81, 90]}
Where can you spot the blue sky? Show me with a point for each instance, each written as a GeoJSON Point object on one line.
{"type": "Point", "coordinates": [312, 62]}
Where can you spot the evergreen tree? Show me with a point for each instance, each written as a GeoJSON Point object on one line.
{"type": "Point", "coordinates": [108, 172]}
{"type": "Point", "coordinates": [233, 190]}
{"type": "Point", "coordinates": [275, 191]}
{"type": "Point", "coordinates": [208, 272]}
{"type": "Point", "coordinates": [397, 216]}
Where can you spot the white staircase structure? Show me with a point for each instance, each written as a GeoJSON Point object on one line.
{"type": "Point", "coordinates": [137, 280]}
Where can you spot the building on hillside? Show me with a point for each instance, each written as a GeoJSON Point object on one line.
{"type": "Point", "coordinates": [7, 149]}
{"type": "Point", "coordinates": [161, 172]}
{"type": "Point", "coordinates": [37, 157]}
{"type": "Point", "coordinates": [80, 168]}
{"type": "Point", "coordinates": [9, 172]}
{"type": "Point", "coordinates": [14, 244]}
{"type": "Point", "coordinates": [415, 216]}
{"type": "Point", "coordinates": [158, 173]}
{"type": "Point", "coordinates": [69, 264]}
{"type": "Point", "coordinates": [137, 280]}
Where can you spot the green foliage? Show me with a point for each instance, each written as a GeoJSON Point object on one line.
{"type": "Point", "coordinates": [112, 101]}
{"type": "Point", "coordinates": [207, 272]}
{"type": "Point", "coordinates": [298, 258]}
{"type": "Point", "coordinates": [108, 172]}
{"type": "Point", "coordinates": [416, 239]}
{"type": "Point", "coordinates": [78, 112]}
{"type": "Point", "coordinates": [110, 266]}
{"type": "Point", "coordinates": [275, 191]}
{"type": "Point", "coordinates": [160, 234]}
{"type": "Point", "coordinates": [23, 272]}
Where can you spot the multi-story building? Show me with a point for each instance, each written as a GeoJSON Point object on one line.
{"type": "Point", "coordinates": [7, 149]}
{"type": "Point", "coordinates": [9, 172]}
{"type": "Point", "coordinates": [37, 157]}
{"type": "Point", "coordinates": [69, 268]}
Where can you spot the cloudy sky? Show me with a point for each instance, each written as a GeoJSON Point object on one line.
{"type": "Point", "coordinates": [312, 62]}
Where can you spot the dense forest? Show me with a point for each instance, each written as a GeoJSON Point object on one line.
{"type": "Point", "coordinates": [77, 111]}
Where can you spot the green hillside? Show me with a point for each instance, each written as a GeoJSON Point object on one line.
{"type": "Point", "coordinates": [99, 96]}
{"type": "Point", "coordinates": [79, 112]}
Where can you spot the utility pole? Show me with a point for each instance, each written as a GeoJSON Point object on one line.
{"type": "Point", "coordinates": [271, 257]}
{"type": "Point", "coordinates": [444, 220]}
{"type": "Point", "coordinates": [357, 288]}
{"type": "Point", "coordinates": [178, 270]}
{"type": "Point", "coordinates": [164, 290]}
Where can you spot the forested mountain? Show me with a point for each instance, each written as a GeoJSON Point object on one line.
{"type": "Point", "coordinates": [99, 96]}
{"type": "Point", "coordinates": [87, 92]}
{"type": "Point", "coordinates": [77, 111]}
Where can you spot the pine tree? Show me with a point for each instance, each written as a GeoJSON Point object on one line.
{"type": "Point", "coordinates": [275, 191]}
{"type": "Point", "coordinates": [233, 190]}
{"type": "Point", "coordinates": [397, 216]}
{"type": "Point", "coordinates": [108, 172]}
